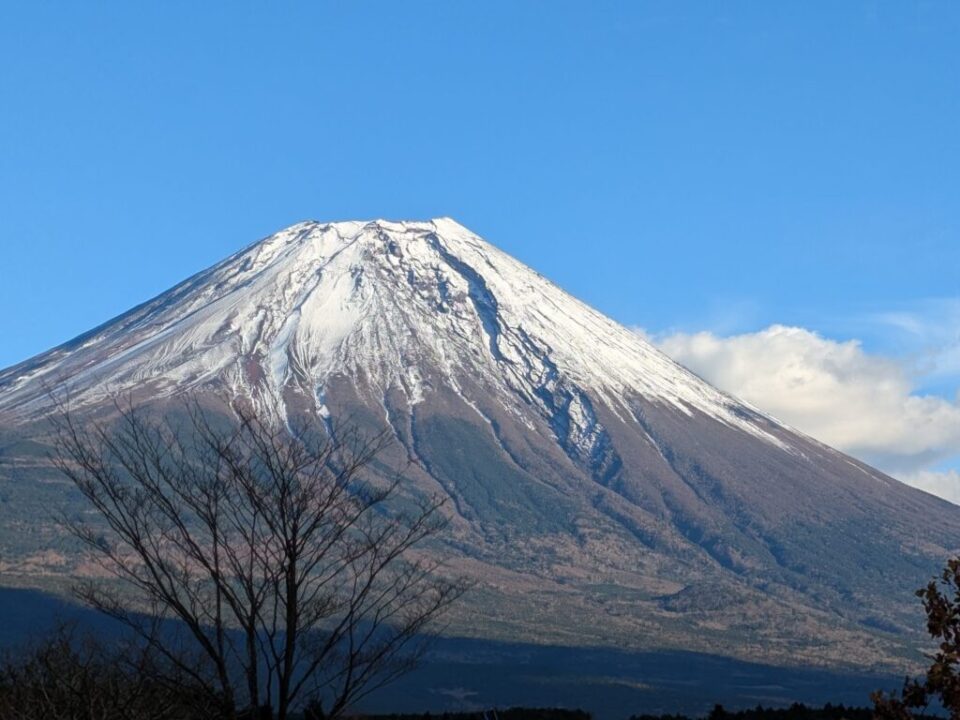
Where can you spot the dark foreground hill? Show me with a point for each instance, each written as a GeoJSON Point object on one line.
{"type": "Point", "coordinates": [463, 675]}
{"type": "Point", "coordinates": [797, 711]}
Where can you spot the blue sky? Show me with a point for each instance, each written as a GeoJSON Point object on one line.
{"type": "Point", "coordinates": [684, 167]}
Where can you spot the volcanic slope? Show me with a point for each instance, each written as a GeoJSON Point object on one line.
{"type": "Point", "coordinates": [600, 493]}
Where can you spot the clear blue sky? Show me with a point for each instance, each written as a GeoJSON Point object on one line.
{"type": "Point", "coordinates": [683, 166]}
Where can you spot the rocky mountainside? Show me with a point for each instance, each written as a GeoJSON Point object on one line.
{"type": "Point", "coordinates": [601, 494]}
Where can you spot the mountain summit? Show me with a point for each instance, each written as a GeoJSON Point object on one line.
{"type": "Point", "coordinates": [601, 493]}
{"type": "Point", "coordinates": [380, 302]}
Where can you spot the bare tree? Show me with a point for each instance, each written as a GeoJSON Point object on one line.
{"type": "Point", "coordinates": [288, 574]}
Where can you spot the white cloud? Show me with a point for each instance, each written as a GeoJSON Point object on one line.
{"type": "Point", "coordinates": [943, 484]}
{"type": "Point", "coordinates": [860, 403]}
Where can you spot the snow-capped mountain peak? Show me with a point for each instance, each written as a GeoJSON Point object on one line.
{"type": "Point", "coordinates": [402, 305]}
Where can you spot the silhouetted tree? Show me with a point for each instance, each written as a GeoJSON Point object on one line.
{"type": "Point", "coordinates": [796, 711]}
{"type": "Point", "coordinates": [287, 573]}
{"type": "Point", "coordinates": [68, 677]}
{"type": "Point", "coordinates": [941, 603]}
{"type": "Point", "coordinates": [717, 713]}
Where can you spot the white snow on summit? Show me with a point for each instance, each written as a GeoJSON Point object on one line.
{"type": "Point", "coordinates": [381, 301]}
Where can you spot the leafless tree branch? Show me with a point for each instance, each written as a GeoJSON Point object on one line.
{"type": "Point", "coordinates": [286, 569]}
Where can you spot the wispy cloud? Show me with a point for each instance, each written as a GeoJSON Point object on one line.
{"type": "Point", "coordinates": [928, 332]}
{"type": "Point", "coordinates": [862, 403]}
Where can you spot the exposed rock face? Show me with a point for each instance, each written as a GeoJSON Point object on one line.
{"type": "Point", "coordinates": [601, 493]}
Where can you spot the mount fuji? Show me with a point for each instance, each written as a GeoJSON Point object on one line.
{"type": "Point", "coordinates": [601, 494]}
